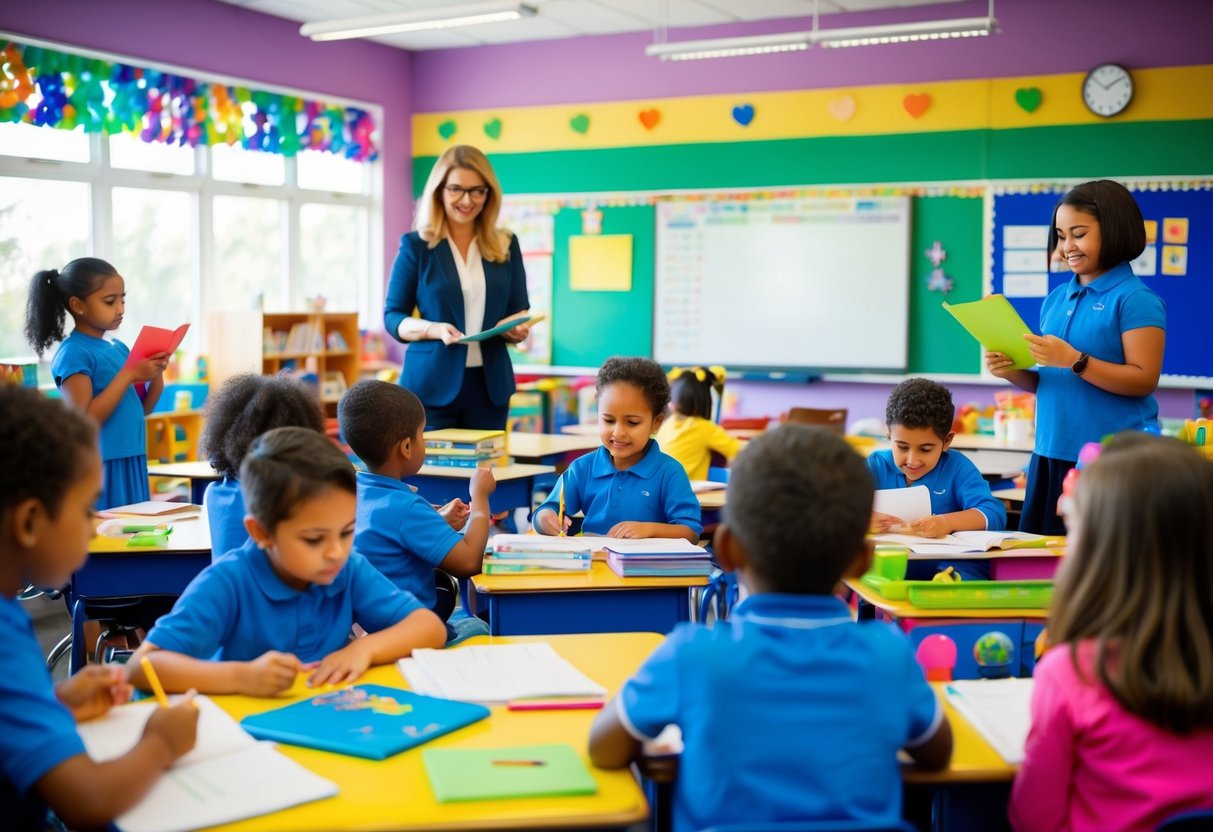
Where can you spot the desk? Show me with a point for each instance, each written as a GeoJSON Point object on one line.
{"type": "Point", "coordinates": [440, 484]}
{"type": "Point", "coordinates": [550, 448]}
{"type": "Point", "coordinates": [987, 442]}
{"type": "Point", "coordinates": [395, 793]}
{"type": "Point", "coordinates": [115, 572]}
{"type": "Point", "coordinates": [199, 473]}
{"type": "Point", "coordinates": [595, 602]}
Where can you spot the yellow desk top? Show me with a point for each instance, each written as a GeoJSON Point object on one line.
{"type": "Point", "coordinates": [191, 533]}
{"type": "Point", "coordinates": [904, 609]}
{"type": "Point", "coordinates": [513, 471]}
{"type": "Point", "coordinates": [973, 759]}
{"type": "Point", "coordinates": [600, 576]}
{"type": "Point", "coordinates": [198, 469]}
{"type": "Point", "coordinates": [395, 793]}
{"type": "Point", "coordinates": [536, 445]}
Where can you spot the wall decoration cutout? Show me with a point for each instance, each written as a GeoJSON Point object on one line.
{"type": "Point", "coordinates": [49, 88]}
{"type": "Point", "coordinates": [1028, 98]}
{"type": "Point", "coordinates": [937, 281]}
{"type": "Point", "coordinates": [492, 128]}
{"type": "Point", "coordinates": [447, 128]}
{"type": "Point", "coordinates": [580, 123]}
{"type": "Point", "coordinates": [842, 109]}
{"type": "Point", "coordinates": [743, 114]}
{"type": "Point", "coordinates": [649, 118]}
{"type": "Point", "coordinates": [917, 104]}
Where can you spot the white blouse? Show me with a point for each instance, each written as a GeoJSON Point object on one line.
{"type": "Point", "coordinates": [471, 281]}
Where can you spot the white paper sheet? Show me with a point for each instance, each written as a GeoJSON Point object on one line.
{"type": "Point", "coordinates": [1000, 710]}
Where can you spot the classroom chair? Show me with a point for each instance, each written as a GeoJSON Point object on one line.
{"type": "Point", "coordinates": [835, 420]}
{"type": "Point", "coordinates": [812, 826]}
{"type": "Point", "coordinates": [1197, 820]}
{"type": "Point", "coordinates": [448, 594]}
{"type": "Point", "coordinates": [718, 597]}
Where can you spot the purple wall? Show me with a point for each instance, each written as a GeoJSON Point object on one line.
{"type": "Point", "coordinates": [1037, 37]}
{"type": "Point", "coordinates": [217, 37]}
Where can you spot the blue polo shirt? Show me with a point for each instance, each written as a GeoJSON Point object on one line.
{"type": "Point", "coordinates": [955, 485]}
{"type": "Point", "coordinates": [36, 732]}
{"type": "Point", "coordinates": [654, 490]}
{"type": "Point", "coordinates": [1092, 319]}
{"type": "Point", "coordinates": [789, 710]}
{"type": "Point", "coordinates": [401, 534]}
{"type": "Point", "coordinates": [238, 608]}
{"type": "Point", "coordinates": [225, 513]}
{"type": "Point", "coordinates": [124, 433]}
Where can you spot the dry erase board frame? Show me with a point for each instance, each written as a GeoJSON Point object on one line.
{"type": "Point", "coordinates": [1188, 297]}
{"type": "Point", "coordinates": [787, 283]}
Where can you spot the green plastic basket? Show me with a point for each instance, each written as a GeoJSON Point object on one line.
{"type": "Point", "coordinates": [981, 594]}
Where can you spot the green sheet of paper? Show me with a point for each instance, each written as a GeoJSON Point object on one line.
{"type": "Point", "coordinates": [996, 325]}
{"type": "Point", "coordinates": [500, 328]}
{"type": "Point", "coordinates": [494, 773]}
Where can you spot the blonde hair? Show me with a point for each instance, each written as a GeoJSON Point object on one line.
{"type": "Point", "coordinates": [494, 243]}
{"type": "Point", "coordinates": [1139, 582]}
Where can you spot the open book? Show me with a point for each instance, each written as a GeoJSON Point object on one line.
{"type": "Point", "coordinates": [228, 776]}
{"type": "Point", "coordinates": [1000, 710]}
{"type": "Point", "coordinates": [504, 326]}
{"type": "Point", "coordinates": [152, 340]}
{"type": "Point", "coordinates": [958, 543]}
{"type": "Point", "coordinates": [496, 673]}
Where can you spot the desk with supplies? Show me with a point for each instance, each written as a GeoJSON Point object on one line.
{"type": "Point", "coordinates": [439, 484]}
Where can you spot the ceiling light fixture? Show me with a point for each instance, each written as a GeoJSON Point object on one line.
{"type": "Point", "coordinates": [447, 17]}
{"type": "Point", "coordinates": [827, 38]}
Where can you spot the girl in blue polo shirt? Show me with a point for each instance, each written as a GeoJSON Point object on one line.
{"type": "Point", "coordinates": [48, 483]}
{"type": "Point", "coordinates": [628, 487]}
{"type": "Point", "coordinates": [1099, 354]}
{"type": "Point", "coordinates": [285, 602]}
{"type": "Point", "coordinates": [92, 372]}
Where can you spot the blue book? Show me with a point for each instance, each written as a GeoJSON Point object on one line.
{"type": "Point", "coordinates": [370, 721]}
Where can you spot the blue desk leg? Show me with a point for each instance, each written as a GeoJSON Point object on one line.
{"type": "Point", "coordinates": [960, 807]}
{"type": "Point", "coordinates": [198, 489]}
{"type": "Point", "coordinates": [78, 656]}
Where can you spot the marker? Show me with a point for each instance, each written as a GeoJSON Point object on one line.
{"type": "Point", "coordinates": [1200, 437]}
{"type": "Point", "coordinates": [554, 704]}
{"type": "Point", "coordinates": [154, 681]}
{"type": "Point", "coordinates": [560, 519]}
{"type": "Point", "coordinates": [520, 762]}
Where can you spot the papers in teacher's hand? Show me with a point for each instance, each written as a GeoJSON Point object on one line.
{"type": "Point", "coordinates": [909, 504]}
{"type": "Point", "coordinates": [1000, 710]}
{"type": "Point", "coordinates": [228, 776]}
{"type": "Point", "coordinates": [153, 340]}
{"type": "Point", "coordinates": [975, 542]}
{"type": "Point", "coordinates": [504, 326]}
{"type": "Point", "coordinates": [996, 325]}
{"type": "Point", "coordinates": [496, 673]}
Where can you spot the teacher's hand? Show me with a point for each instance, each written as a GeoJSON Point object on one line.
{"type": "Point", "coordinates": [1051, 351]}
{"type": "Point", "coordinates": [517, 335]}
{"type": "Point", "coordinates": [446, 333]}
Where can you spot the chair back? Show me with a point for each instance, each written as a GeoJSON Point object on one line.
{"type": "Point", "coordinates": [835, 420]}
{"type": "Point", "coordinates": [1196, 820]}
{"type": "Point", "coordinates": [447, 597]}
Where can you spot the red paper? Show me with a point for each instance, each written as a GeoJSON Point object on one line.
{"type": "Point", "coordinates": [153, 340]}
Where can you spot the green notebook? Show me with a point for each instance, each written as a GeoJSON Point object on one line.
{"type": "Point", "coordinates": [996, 325]}
{"type": "Point", "coordinates": [494, 773]}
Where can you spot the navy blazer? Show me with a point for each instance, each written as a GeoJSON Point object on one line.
{"type": "Point", "coordinates": [426, 278]}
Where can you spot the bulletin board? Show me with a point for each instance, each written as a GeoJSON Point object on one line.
{"type": "Point", "coordinates": [1177, 263]}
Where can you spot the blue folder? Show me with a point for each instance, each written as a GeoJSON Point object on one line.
{"type": "Point", "coordinates": [370, 721]}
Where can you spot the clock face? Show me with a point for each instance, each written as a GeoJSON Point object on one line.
{"type": "Point", "coordinates": [1107, 89]}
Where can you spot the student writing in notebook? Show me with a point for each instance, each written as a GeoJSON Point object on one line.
{"type": "Point", "coordinates": [285, 602]}
{"type": "Point", "coordinates": [1122, 706]}
{"type": "Point", "coordinates": [918, 416]}
{"type": "Point", "coordinates": [48, 484]}
{"type": "Point", "coordinates": [399, 532]}
{"type": "Point", "coordinates": [689, 434]}
{"type": "Point", "coordinates": [628, 487]}
{"type": "Point", "coordinates": [790, 710]}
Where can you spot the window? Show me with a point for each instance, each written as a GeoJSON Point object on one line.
{"type": "Point", "coordinates": [30, 142]}
{"type": "Point", "coordinates": [327, 235]}
{"type": "Point", "coordinates": [249, 254]}
{"type": "Point", "coordinates": [132, 153]}
{"type": "Point", "coordinates": [235, 164]}
{"type": "Point", "coordinates": [330, 172]}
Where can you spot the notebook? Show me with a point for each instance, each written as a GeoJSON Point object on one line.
{"type": "Point", "coordinates": [149, 508]}
{"type": "Point", "coordinates": [506, 326]}
{"type": "Point", "coordinates": [458, 774]}
{"type": "Point", "coordinates": [1000, 710]}
{"type": "Point", "coordinates": [227, 776]}
{"type": "Point", "coordinates": [370, 721]}
{"type": "Point", "coordinates": [152, 340]}
{"type": "Point", "coordinates": [496, 673]}
{"type": "Point", "coordinates": [996, 325]}
{"type": "Point", "coordinates": [970, 542]}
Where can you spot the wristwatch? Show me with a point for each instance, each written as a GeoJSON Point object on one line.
{"type": "Point", "coordinates": [1080, 366]}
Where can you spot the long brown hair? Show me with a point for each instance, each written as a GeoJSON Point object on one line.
{"type": "Point", "coordinates": [494, 243]}
{"type": "Point", "coordinates": [1139, 581]}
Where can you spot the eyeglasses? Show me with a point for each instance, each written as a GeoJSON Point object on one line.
{"type": "Point", "coordinates": [477, 193]}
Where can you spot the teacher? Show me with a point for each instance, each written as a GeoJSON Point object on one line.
{"type": "Point", "coordinates": [464, 275]}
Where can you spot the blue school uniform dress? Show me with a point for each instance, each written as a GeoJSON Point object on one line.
{"type": "Point", "coordinates": [36, 732]}
{"type": "Point", "coordinates": [225, 513]}
{"type": "Point", "coordinates": [238, 608]}
{"type": "Point", "coordinates": [789, 710]}
{"type": "Point", "coordinates": [955, 485]}
{"type": "Point", "coordinates": [123, 436]}
{"type": "Point", "coordinates": [654, 490]}
{"type": "Point", "coordinates": [1071, 411]}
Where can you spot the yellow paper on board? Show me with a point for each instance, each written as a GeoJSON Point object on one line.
{"type": "Point", "coordinates": [600, 263]}
{"type": "Point", "coordinates": [996, 325]}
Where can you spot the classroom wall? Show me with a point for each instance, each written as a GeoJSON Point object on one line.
{"type": "Point", "coordinates": [221, 38]}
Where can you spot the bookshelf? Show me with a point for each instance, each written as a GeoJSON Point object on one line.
{"type": "Point", "coordinates": [325, 344]}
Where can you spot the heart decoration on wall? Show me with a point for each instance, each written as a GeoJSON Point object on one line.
{"type": "Point", "coordinates": [743, 114]}
{"type": "Point", "coordinates": [492, 128]}
{"type": "Point", "coordinates": [580, 123]}
{"type": "Point", "coordinates": [916, 104]}
{"type": "Point", "coordinates": [1028, 98]}
{"type": "Point", "coordinates": [649, 118]}
{"type": "Point", "coordinates": [447, 128]}
{"type": "Point", "coordinates": [842, 109]}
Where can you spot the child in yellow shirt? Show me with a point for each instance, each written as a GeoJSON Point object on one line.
{"type": "Point", "coordinates": [690, 435]}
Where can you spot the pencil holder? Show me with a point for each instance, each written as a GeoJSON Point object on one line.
{"type": "Point", "coordinates": [890, 562]}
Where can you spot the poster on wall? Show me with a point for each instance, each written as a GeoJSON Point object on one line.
{"type": "Point", "coordinates": [533, 224]}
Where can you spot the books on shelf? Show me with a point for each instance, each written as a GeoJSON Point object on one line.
{"type": "Point", "coordinates": [657, 557]}
{"type": "Point", "coordinates": [227, 776]}
{"type": "Point", "coordinates": [970, 542]}
{"type": "Point", "coordinates": [494, 673]}
{"type": "Point", "coordinates": [463, 448]}
{"type": "Point", "coordinates": [531, 554]}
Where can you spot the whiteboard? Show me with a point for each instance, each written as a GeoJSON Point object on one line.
{"type": "Point", "coordinates": [820, 283]}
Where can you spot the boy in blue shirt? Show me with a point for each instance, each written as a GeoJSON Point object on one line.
{"type": "Point", "coordinates": [285, 602]}
{"type": "Point", "coordinates": [919, 416]}
{"type": "Point", "coordinates": [790, 710]}
{"type": "Point", "coordinates": [398, 531]}
{"type": "Point", "coordinates": [628, 487]}
{"type": "Point", "coordinates": [48, 484]}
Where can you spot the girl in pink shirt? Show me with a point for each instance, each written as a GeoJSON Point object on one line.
{"type": "Point", "coordinates": [1122, 710]}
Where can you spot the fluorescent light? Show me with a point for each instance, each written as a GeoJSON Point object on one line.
{"type": "Point", "coordinates": [467, 14]}
{"type": "Point", "coordinates": [692, 50]}
{"type": "Point", "coordinates": [966, 27]}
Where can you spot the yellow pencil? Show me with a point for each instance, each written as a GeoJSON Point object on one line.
{"type": "Point", "coordinates": [560, 519]}
{"type": "Point", "coordinates": [154, 681]}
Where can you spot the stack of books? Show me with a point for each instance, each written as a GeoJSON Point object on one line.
{"type": "Point", "coordinates": [532, 554]}
{"type": "Point", "coordinates": [657, 558]}
{"type": "Point", "coordinates": [465, 448]}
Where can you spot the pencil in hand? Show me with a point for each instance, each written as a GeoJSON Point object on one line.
{"type": "Point", "coordinates": [560, 519]}
{"type": "Point", "coordinates": [154, 681]}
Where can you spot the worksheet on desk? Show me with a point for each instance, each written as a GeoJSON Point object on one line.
{"type": "Point", "coordinates": [1000, 710]}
